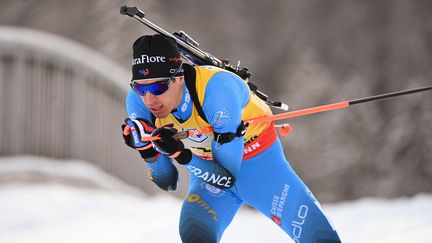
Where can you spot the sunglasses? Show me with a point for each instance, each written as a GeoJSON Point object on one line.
{"type": "Point", "coordinates": [156, 88]}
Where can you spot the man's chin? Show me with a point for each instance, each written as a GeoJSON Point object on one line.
{"type": "Point", "coordinates": [160, 114]}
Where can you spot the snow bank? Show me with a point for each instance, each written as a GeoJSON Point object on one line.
{"type": "Point", "coordinates": [51, 213]}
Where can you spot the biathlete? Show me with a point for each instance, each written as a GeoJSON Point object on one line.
{"type": "Point", "coordinates": [236, 164]}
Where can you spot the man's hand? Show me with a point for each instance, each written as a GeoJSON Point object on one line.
{"type": "Point", "coordinates": [170, 146]}
{"type": "Point", "coordinates": [133, 131]}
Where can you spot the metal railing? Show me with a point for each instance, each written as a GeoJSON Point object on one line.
{"type": "Point", "coordinates": [62, 100]}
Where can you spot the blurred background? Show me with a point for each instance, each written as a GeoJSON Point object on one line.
{"type": "Point", "coordinates": [64, 73]}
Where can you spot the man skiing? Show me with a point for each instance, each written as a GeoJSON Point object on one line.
{"type": "Point", "coordinates": [236, 164]}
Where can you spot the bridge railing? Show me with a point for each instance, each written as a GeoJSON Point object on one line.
{"type": "Point", "coordinates": [62, 100]}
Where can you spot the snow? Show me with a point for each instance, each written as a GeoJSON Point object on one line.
{"type": "Point", "coordinates": [53, 212]}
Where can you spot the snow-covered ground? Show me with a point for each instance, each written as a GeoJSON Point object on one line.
{"type": "Point", "coordinates": [111, 213]}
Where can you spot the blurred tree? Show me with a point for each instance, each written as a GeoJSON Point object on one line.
{"type": "Point", "coordinates": [307, 53]}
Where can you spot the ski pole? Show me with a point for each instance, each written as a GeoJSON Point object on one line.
{"type": "Point", "coordinates": [302, 112]}
{"type": "Point", "coordinates": [335, 106]}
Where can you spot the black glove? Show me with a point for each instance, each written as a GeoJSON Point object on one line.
{"type": "Point", "coordinates": [133, 131]}
{"type": "Point", "coordinates": [170, 146]}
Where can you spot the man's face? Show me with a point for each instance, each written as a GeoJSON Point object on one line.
{"type": "Point", "coordinates": [162, 105]}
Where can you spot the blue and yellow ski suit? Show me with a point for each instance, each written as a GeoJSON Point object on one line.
{"type": "Point", "coordinates": [250, 169]}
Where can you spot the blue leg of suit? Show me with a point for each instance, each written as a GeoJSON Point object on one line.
{"type": "Point", "coordinates": [267, 183]}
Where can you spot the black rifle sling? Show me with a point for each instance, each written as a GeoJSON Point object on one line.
{"type": "Point", "coordinates": [190, 79]}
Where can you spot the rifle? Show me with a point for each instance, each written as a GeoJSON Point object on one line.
{"type": "Point", "coordinates": [189, 50]}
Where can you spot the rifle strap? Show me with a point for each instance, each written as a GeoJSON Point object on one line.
{"type": "Point", "coordinates": [190, 79]}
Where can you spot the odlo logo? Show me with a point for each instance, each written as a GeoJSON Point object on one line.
{"type": "Point", "coordinates": [297, 224]}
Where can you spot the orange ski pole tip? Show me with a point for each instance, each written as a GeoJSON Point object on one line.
{"type": "Point", "coordinates": [284, 129]}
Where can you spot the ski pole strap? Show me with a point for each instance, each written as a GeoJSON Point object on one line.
{"type": "Point", "coordinates": [227, 137]}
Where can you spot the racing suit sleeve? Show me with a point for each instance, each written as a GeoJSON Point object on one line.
{"type": "Point", "coordinates": [225, 96]}
{"type": "Point", "coordinates": [162, 172]}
